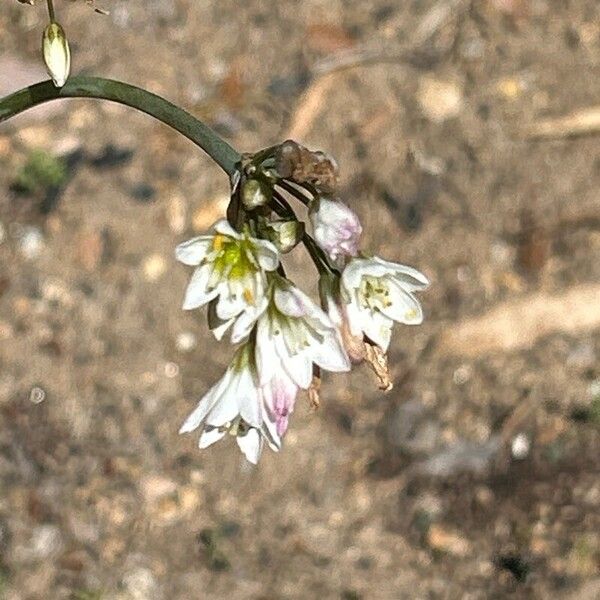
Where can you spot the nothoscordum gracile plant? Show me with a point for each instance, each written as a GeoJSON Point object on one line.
{"type": "Point", "coordinates": [283, 340]}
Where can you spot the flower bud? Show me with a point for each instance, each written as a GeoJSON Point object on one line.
{"type": "Point", "coordinates": [285, 235]}
{"type": "Point", "coordinates": [255, 193]}
{"type": "Point", "coordinates": [55, 48]}
{"type": "Point", "coordinates": [337, 229]}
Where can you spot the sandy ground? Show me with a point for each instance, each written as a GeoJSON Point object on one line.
{"type": "Point", "coordinates": [477, 476]}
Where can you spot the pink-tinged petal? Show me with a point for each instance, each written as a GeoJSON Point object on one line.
{"type": "Point", "coordinates": [251, 445]}
{"type": "Point", "coordinates": [224, 228]}
{"type": "Point", "coordinates": [280, 398]}
{"type": "Point", "coordinates": [197, 293]}
{"type": "Point", "coordinates": [212, 397]}
{"type": "Point", "coordinates": [193, 251]}
{"type": "Point", "coordinates": [336, 228]}
{"type": "Point", "coordinates": [378, 328]}
{"type": "Point", "coordinates": [209, 437]}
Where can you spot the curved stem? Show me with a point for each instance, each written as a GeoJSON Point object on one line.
{"type": "Point", "coordinates": [51, 11]}
{"type": "Point", "coordinates": [94, 87]}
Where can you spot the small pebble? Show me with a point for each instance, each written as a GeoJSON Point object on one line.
{"type": "Point", "coordinates": [186, 341]}
{"type": "Point", "coordinates": [154, 267]}
{"type": "Point", "coordinates": [520, 446]}
{"type": "Point", "coordinates": [31, 242]}
{"type": "Point", "coordinates": [37, 395]}
{"type": "Point", "coordinates": [171, 370]}
{"type": "Point", "coordinates": [439, 100]}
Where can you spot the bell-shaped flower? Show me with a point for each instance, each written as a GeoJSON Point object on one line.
{"type": "Point", "coordinates": [231, 269]}
{"type": "Point", "coordinates": [292, 334]}
{"type": "Point", "coordinates": [336, 228]}
{"type": "Point", "coordinates": [376, 293]}
{"type": "Point", "coordinates": [235, 405]}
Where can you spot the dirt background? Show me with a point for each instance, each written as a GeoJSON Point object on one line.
{"type": "Point", "coordinates": [477, 476]}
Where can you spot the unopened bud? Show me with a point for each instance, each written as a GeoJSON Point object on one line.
{"type": "Point", "coordinates": [256, 193]}
{"type": "Point", "coordinates": [55, 48]}
{"type": "Point", "coordinates": [285, 235]}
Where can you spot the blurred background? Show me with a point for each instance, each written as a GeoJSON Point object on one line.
{"type": "Point", "coordinates": [468, 137]}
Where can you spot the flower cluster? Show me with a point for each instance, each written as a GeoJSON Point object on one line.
{"type": "Point", "coordinates": [284, 340]}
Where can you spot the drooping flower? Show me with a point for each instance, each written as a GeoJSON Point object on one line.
{"type": "Point", "coordinates": [57, 56]}
{"type": "Point", "coordinates": [236, 405]}
{"type": "Point", "coordinates": [231, 269]}
{"type": "Point", "coordinates": [376, 293]}
{"type": "Point", "coordinates": [292, 334]}
{"type": "Point", "coordinates": [337, 229]}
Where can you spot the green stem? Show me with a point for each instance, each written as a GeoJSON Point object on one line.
{"type": "Point", "coordinates": [93, 87]}
{"type": "Point", "coordinates": [51, 11]}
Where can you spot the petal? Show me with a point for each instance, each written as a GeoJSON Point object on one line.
{"type": "Point", "coordinates": [248, 399]}
{"type": "Point", "coordinates": [210, 436]}
{"type": "Point", "coordinates": [293, 302]}
{"type": "Point", "coordinates": [378, 328]}
{"type": "Point", "coordinates": [355, 315]}
{"type": "Point", "coordinates": [267, 359]}
{"type": "Point", "coordinates": [267, 255]}
{"type": "Point", "coordinates": [206, 403]}
{"type": "Point", "coordinates": [330, 354]}
{"type": "Point", "coordinates": [409, 278]}
{"type": "Point", "coordinates": [227, 408]}
{"type": "Point", "coordinates": [250, 445]}
{"type": "Point", "coordinates": [193, 251]}
{"type": "Point", "coordinates": [299, 368]}
{"type": "Point", "coordinates": [245, 322]}
{"type": "Point", "coordinates": [224, 228]}
{"type": "Point", "coordinates": [404, 307]}
{"type": "Point", "coordinates": [229, 305]}
{"type": "Point", "coordinates": [220, 330]}
{"type": "Point", "coordinates": [197, 294]}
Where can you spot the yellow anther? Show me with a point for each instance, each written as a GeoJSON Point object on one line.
{"type": "Point", "coordinates": [410, 315]}
{"type": "Point", "coordinates": [248, 296]}
{"type": "Point", "coordinates": [218, 241]}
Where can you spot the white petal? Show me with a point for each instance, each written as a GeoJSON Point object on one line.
{"type": "Point", "coordinates": [267, 254]}
{"type": "Point", "coordinates": [251, 445]}
{"type": "Point", "coordinates": [227, 408]}
{"type": "Point", "coordinates": [245, 322]}
{"type": "Point", "coordinates": [354, 314]}
{"type": "Point", "coordinates": [267, 360]}
{"type": "Point", "coordinates": [408, 277]}
{"type": "Point", "coordinates": [224, 228]}
{"type": "Point", "coordinates": [404, 308]}
{"type": "Point", "coordinates": [196, 294]}
{"type": "Point", "coordinates": [299, 368]}
{"type": "Point", "coordinates": [378, 328]}
{"type": "Point", "coordinates": [293, 302]}
{"type": "Point", "coordinates": [193, 251]}
{"type": "Point", "coordinates": [330, 354]}
{"type": "Point", "coordinates": [229, 305]}
{"type": "Point", "coordinates": [206, 403]}
{"type": "Point", "coordinates": [221, 329]}
{"type": "Point", "coordinates": [209, 437]}
{"type": "Point", "coordinates": [353, 273]}
{"type": "Point", "coordinates": [249, 399]}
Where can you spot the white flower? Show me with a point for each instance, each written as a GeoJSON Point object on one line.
{"type": "Point", "coordinates": [57, 56]}
{"type": "Point", "coordinates": [336, 228]}
{"type": "Point", "coordinates": [236, 405]}
{"type": "Point", "coordinates": [292, 334]}
{"type": "Point", "coordinates": [377, 293]}
{"type": "Point", "coordinates": [231, 270]}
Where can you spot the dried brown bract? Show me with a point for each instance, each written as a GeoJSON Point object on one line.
{"type": "Point", "coordinates": [303, 166]}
